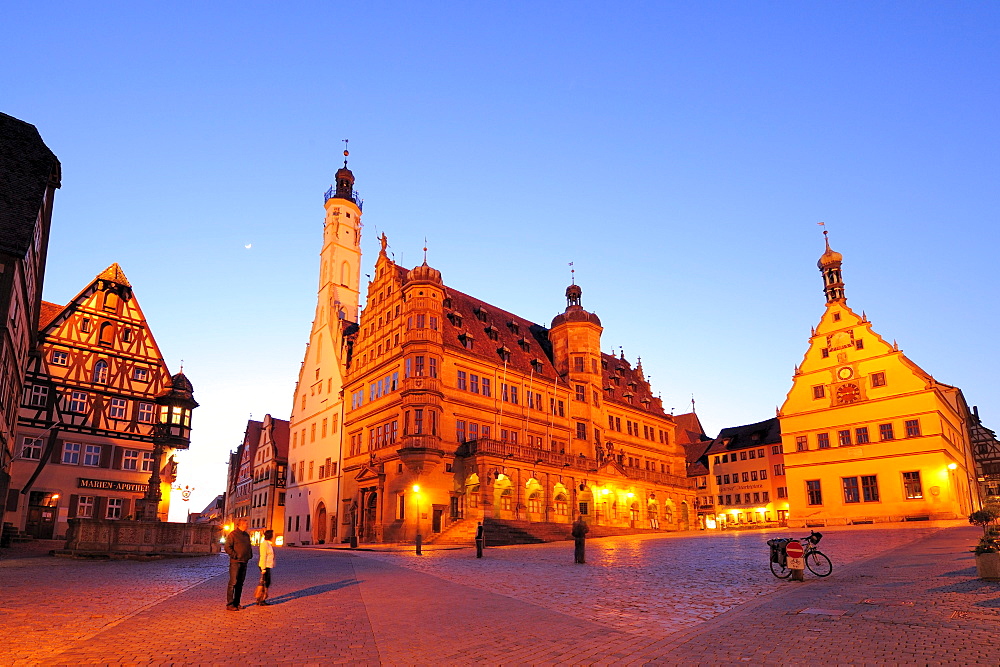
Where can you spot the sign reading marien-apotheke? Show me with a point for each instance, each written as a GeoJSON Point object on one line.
{"type": "Point", "coordinates": [112, 485]}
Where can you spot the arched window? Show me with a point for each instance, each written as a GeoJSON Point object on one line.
{"type": "Point", "coordinates": [345, 274]}
{"type": "Point", "coordinates": [101, 372]}
{"type": "Point", "coordinates": [562, 507]}
{"type": "Point", "coordinates": [505, 500]}
{"type": "Point", "coordinates": [107, 334]}
{"type": "Point", "coordinates": [535, 503]}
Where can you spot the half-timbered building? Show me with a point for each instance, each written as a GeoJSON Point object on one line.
{"type": "Point", "coordinates": [92, 400]}
{"type": "Point", "coordinates": [29, 176]}
{"type": "Point", "coordinates": [270, 462]}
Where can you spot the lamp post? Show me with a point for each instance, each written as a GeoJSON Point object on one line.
{"type": "Point", "coordinates": [420, 538]}
{"type": "Point", "coordinates": [172, 429]}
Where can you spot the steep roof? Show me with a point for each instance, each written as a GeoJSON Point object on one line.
{"type": "Point", "coordinates": [528, 342]}
{"type": "Point", "coordinates": [26, 168]}
{"type": "Point", "coordinates": [280, 436]}
{"type": "Point", "coordinates": [48, 313]}
{"type": "Point", "coordinates": [767, 432]}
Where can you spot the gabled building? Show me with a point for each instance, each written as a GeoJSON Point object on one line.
{"type": "Point", "coordinates": [270, 464]}
{"type": "Point", "coordinates": [986, 450]}
{"type": "Point", "coordinates": [868, 435]}
{"type": "Point", "coordinates": [239, 503]}
{"type": "Point", "coordinates": [29, 176]}
{"type": "Point", "coordinates": [435, 408]}
{"type": "Point", "coordinates": [747, 477]}
{"type": "Point", "coordinates": [97, 417]}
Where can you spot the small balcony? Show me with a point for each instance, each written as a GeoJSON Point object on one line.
{"type": "Point", "coordinates": [355, 197]}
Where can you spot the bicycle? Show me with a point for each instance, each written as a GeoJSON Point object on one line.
{"type": "Point", "coordinates": [817, 561]}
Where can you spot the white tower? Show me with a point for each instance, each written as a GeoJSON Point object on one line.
{"type": "Point", "coordinates": [313, 513]}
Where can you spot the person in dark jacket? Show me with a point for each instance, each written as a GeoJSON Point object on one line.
{"type": "Point", "coordinates": [579, 532]}
{"type": "Point", "coordinates": [240, 552]}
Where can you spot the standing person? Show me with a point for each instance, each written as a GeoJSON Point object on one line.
{"type": "Point", "coordinates": [240, 552]}
{"type": "Point", "coordinates": [266, 562]}
{"type": "Point", "coordinates": [580, 530]}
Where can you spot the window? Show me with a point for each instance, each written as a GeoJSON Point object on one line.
{"type": "Point", "coordinates": [126, 335]}
{"type": "Point", "coordinates": [912, 428]}
{"type": "Point", "coordinates": [92, 455]}
{"type": "Point", "coordinates": [911, 485]}
{"type": "Point", "coordinates": [107, 335]}
{"type": "Point", "coordinates": [117, 408]}
{"type": "Point", "coordinates": [753, 454]}
{"type": "Point", "coordinates": [581, 430]}
{"type": "Point", "coordinates": [861, 435]}
{"type": "Point", "coordinates": [743, 456]}
{"type": "Point", "coordinates": [775, 449]}
{"type": "Point", "coordinates": [85, 507]}
{"type": "Point", "coordinates": [85, 325]}
{"type": "Point", "coordinates": [581, 392]}
{"type": "Point", "coordinates": [101, 372]}
{"type": "Point", "coordinates": [753, 475]}
{"type": "Point", "coordinates": [782, 491]}
{"type": "Point", "coordinates": [746, 476]}
{"type": "Point", "coordinates": [814, 493]}
{"type": "Point", "coordinates": [31, 448]}
{"type": "Point", "coordinates": [885, 432]}
{"type": "Point", "coordinates": [115, 508]}
{"type": "Point", "coordinates": [844, 437]}
{"type": "Point", "coordinates": [39, 396]}
{"type": "Point", "coordinates": [78, 401]}
{"type": "Point", "coordinates": [763, 474]}
{"type": "Point", "coordinates": [130, 459]}
{"type": "Point", "coordinates": [819, 391]}
{"type": "Point", "coordinates": [851, 492]}
{"type": "Point", "coordinates": [765, 496]}
{"type": "Point", "coordinates": [462, 380]}
{"type": "Point", "coordinates": [147, 461]}
{"type": "Point", "coordinates": [486, 387]}
{"type": "Point", "coordinates": [823, 440]}
{"type": "Point", "coordinates": [578, 364]}
{"type": "Point", "coordinates": [869, 488]}
{"type": "Point", "coordinates": [779, 469]}
{"type": "Point", "coordinates": [460, 430]}
{"type": "Point", "coordinates": [718, 480]}
{"type": "Point", "coordinates": [71, 453]}
{"type": "Point", "coordinates": [801, 443]}
{"type": "Point", "coordinates": [878, 379]}
{"type": "Point", "coordinates": [60, 357]}
{"type": "Point", "coordinates": [146, 413]}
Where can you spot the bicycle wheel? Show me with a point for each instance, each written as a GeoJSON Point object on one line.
{"type": "Point", "coordinates": [780, 571]}
{"type": "Point", "coordinates": [819, 564]}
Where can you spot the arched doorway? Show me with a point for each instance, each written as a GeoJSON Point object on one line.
{"type": "Point", "coordinates": [369, 515]}
{"type": "Point", "coordinates": [585, 504]}
{"type": "Point", "coordinates": [685, 517]}
{"type": "Point", "coordinates": [320, 524]}
{"type": "Point", "coordinates": [633, 515]}
{"type": "Point", "coordinates": [653, 510]}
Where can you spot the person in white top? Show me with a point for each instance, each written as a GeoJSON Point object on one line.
{"type": "Point", "coordinates": [266, 562]}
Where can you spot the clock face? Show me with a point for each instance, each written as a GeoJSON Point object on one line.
{"type": "Point", "coordinates": [848, 393]}
{"type": "Point", "coordinates": [845, 373]}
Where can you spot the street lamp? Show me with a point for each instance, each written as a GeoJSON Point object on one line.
{"type": "Point", "coordinates": [172, 429]}
{"type": "Point", "coordinates": [416, 498]}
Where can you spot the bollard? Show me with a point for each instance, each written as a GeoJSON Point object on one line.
{"type": "Point", "coordinates": [354, 541]}
{"type": "Point", "coordinates": [420, 541]}
{"type": "Point", "coordinates": [480, 539]}
{"type": "Point", "coordinates": [796, 563]}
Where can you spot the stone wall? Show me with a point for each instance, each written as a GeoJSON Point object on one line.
{"type": "Point", "coordinates": [103, 536]}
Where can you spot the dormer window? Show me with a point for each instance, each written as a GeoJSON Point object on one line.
{"type": "Point", "coordinates": [645, 401]}
{"type": "Point", "coordinates": [525, 345]}
{"type": "Point", "coordinates": [492, 332]}
{"type": "Point", "coordinates": [537, 365]}
{"type": "Point", "coordinates": [604, 364]}
{"type": "Point", "coordinates": [455, 318]}
{"type": "Point", "coordinates": [514, 327]}
{"type": "Point", "coordinates": [504, 353]}
{"type": "Point", "coordinates": [466, 340]}
{"type": "Point", "coordinates": [617, 380]}
{"type": "Point", "coordinates": [480, 313]}
{"type": "Point", "coordinates": [446, 302]}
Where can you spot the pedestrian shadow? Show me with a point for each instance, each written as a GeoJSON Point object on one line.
{"type": "Point", "coordinates": [312, 590]}
{"type": "Point", "coordinates": [971, 585]}
{"type": "Point", "coordinates": [964, 572]}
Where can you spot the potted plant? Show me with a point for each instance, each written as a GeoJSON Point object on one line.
{"type": "Point", "coordinates": [988, 550]}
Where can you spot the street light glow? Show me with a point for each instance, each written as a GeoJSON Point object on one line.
{"type": "Point", "coordinates": [416, 488]}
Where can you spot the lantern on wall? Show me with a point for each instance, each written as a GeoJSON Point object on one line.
{"type": "Point", "coordinates": [173, 427]}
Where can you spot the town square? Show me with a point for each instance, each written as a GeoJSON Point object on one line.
{"type": "Point", "coordinates": [499, 333]}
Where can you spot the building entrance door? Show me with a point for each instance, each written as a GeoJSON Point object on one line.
{"type": "Point", "coordinates": [436, 519]}
{"type": "Point", "coordinates": [41, 522]}
{"type": "Point", "coordinates": [321, 524]}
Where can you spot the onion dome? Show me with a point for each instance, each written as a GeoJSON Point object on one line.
{"type": "Point", "coordinates": [574, 311]}
{"type": "Point", "coordinates": [424, 274]}
{"type": "Point", "coordinates": [180, 390]}
{"type": "Point", "coordinates": [830, 258]}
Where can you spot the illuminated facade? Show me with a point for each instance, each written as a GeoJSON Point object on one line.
{"type": "Point", "coordinates": [435, 410]}
{"type": "Point", "coordinates": [92, 400]}
{"type": "Point", "coordinates": [746, 481]}
{"type": "Point", "coordinates": [29, 176]}
{"type": "Point", "coordinates": [267, 484]}
{"type": "Point", "coordinates": [869, 436]}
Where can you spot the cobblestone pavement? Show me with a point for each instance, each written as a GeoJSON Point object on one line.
{"type": "Point", "coordinates": [898, 594]}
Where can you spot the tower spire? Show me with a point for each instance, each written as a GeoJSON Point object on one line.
{"type": "Point", "coordinates": [829, 265]}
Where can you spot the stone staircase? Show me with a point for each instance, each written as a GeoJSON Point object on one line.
{"type": "Point", "coordinates": [503, 532]}
{"type": "Point", "coordinates": [12, 535]}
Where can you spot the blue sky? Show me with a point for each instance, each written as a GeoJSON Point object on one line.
{"type": "Point", "coordinates": [680, 154]}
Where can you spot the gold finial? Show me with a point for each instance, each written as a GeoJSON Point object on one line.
{"type": "Point", "coordinates": [572, 274]}
{"type": "Point", "coordinates": [346, 152]}
{"type": "Point", "coordinates": [425, 250]}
